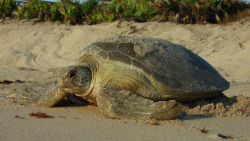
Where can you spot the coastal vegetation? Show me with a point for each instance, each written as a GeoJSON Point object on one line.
{"type": "Point", "coordinates": [7, 7]}
{"type": "Point", "coordinates": [94, 11]}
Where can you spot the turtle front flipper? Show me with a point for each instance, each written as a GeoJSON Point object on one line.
{"type": "Point", "coordinates": [52, 96]}
{"type": "Point", "coordinates": [122, 104]}
{"type": "Point", "coordinates": [39, 96]}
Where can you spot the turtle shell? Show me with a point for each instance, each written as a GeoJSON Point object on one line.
{"type": "Point", "coordinates": [165, 63]}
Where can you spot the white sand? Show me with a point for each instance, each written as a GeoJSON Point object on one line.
{"type": "Point", "coordinates": [34, 54]}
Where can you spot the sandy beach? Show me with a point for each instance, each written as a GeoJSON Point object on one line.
{"type": "Point", "coordinates": [33, 53]}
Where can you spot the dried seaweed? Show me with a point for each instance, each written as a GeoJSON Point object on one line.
{"type": "Point", "coordinates": [203, 130]}
{"type": "Point", "coordinates": [40, 115]}
{"type": "Point", "coordinates": [17, 116]}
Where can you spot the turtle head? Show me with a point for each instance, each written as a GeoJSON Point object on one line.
{"type": "Point", "coordinates": [75, 79]}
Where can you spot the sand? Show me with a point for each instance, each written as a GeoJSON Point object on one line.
{"type": "Point", "coordinates": [33, 54]}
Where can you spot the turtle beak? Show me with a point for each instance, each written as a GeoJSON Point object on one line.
{"type": "Point", "coordinates": [66, 77]}
{"type": "Point", "coordinates": [62, 82]}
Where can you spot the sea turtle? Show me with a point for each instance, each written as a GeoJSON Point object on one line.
{"type": "Point", "coordinates": [135, 78]}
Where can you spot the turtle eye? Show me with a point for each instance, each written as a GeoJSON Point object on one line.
{"type": "Point", "coordinates": [72, 74]}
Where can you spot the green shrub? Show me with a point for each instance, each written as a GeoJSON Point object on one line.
{"type": "Point", "coordinates": [100, 14]}
{"type": "Point", "coordinates": [96, 17]}
{"type": "Point", "coordinates": [131, 8]}
{"type": "Point", "coordinates": [55, 13]}
{"type": "Point", "coordinates": [111, 17]}
{"type": "Point", "coordinates": [88, 6]}
{"type": "Point", "coordinates": [215, 3]}
{"type": "Point", "coordinates": [192, 2]}
{"type": "Point", "coordinates": [69, 12]}
{"type": "Point", "coordinates": [28, 15]}
{"type": "Point", "coordinates": [92, 12]}
{"type": "Point", "coordinates": [115, 6]}
{"type": "Point", "coordinates": [7, 7]}
{"type": "Point", "coordinates": [24, 12]}
{"type": "Point", "coordinates": [32, 9]}
{"type": "Point", "coordinates": [138, 9]}
{"type": "Point", "coordinates": [145, 10]}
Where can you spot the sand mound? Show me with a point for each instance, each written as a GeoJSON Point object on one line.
{"type": "Point", "coordinates": [236, 106]}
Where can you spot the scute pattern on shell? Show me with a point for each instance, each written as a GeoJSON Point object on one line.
{"type": "Point", "coordinates": [170, 64]}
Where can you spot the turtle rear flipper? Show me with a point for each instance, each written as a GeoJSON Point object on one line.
{"type": "Point", "coordinates": [120, 104]}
